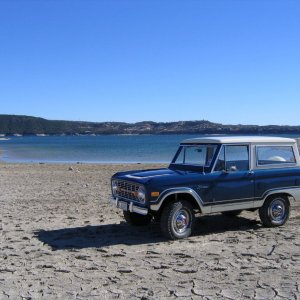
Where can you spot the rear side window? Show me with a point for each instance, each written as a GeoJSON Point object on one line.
{"type": "Point", "coordinates": [271, 155]}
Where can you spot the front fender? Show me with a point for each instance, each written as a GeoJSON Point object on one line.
{"type": "Point", "coordinates": [156, 205]}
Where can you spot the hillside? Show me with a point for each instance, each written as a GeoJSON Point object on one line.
{"type": "Point", "coordinates": [26, 125]}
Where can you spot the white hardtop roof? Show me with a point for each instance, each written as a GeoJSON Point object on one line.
{"type": "Point", "coordinates": [237, 140]}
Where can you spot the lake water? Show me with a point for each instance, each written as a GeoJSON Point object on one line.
{"type": "Point", "coordinates": [93, 149]}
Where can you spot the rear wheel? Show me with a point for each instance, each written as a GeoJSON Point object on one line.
{"type": "Point", "coordinates": [177, 220]}
{"type": "Point", "coordinates": [136, 219]}
{"type": "Point", "coordinates": [275, 211]}
{"type": "Point", "coordinates": [231, 213]}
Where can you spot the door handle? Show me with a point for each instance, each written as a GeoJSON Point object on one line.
{"type": "Point", "coordinates": [251, 172]}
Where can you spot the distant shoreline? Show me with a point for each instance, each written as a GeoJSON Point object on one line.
{"type": "Point", "coordinates": [16, 125]}
{"type": "Point", "coordinates": [9, 136]}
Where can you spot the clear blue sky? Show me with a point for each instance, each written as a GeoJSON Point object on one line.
{"type": "Point", "coordinates": [229, 61]}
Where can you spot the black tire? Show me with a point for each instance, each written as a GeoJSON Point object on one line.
{"type": "Point", "coordinates": [275, 211]}
{"type": "Point", "coordinates": [231, 213]}
{"type": "Point", "coordinates": [177, 220]}
{"type": "Point", "coordinates": [136, 219]}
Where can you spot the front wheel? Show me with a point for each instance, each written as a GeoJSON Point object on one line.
{"type": "Point", "coordinates": [275, 211]}
{"type": "Point", "coordinates": [136, 219]}
{"type": "Point", "coordinates": [177, 220]}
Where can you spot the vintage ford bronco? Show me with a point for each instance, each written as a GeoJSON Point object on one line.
{"type": "Point", "coordinates": [224, 174]}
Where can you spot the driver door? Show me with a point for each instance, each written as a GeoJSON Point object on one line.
{"type": "Point", "coordinates": [233, 186]}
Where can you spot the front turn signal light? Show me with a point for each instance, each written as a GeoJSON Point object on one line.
{"type": "Point", "coordinates": [154, 194]}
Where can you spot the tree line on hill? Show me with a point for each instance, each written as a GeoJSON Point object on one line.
{"type": "Point", "coordinates": [26, 125]}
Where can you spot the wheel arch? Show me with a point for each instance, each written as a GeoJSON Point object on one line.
{"type": "Point", "coordinates": [179, 194]}
{"type": "Point", "coordinates": [286, 194]}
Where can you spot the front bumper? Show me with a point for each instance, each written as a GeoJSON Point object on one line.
{"type": "Point", "coordinates": [128, 206]}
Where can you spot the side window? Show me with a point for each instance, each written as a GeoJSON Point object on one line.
{"type": "Point", "coordinates": [237, 158]}
{"type": "Point", "coordinates": [233, 158]}
{"type": "Point", "coordinates": [269, 155]}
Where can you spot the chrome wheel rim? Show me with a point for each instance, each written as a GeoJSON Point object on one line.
{"type": "Point", "coordinates": [277, 211]}
{"type": "Point", "coordinates": [181, 221]}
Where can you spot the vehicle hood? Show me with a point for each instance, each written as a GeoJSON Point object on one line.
{"type": "Point", "coordinates": [142, 176]}
{"type": "Point", "coordinates": [153, 176]}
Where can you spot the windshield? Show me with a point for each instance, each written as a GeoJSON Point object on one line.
{"type": "Point", "coordinates": [200, 155]}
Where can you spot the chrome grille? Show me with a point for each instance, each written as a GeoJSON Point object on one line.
{"type": "Point", "coordinates": [127, 190]}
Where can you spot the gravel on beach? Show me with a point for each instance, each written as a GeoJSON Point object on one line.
{"type": "Point", "coordinates": [60, 239]}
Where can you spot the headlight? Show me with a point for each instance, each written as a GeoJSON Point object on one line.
{"type": "Point", "coordinates": [141, 194]}
{"type": "Point", "coordinates": [114, 187]}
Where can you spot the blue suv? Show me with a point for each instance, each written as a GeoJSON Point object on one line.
{"type": "Point", "coordinates": [208, 175]}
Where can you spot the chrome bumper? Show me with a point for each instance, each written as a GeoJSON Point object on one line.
{"type": "Point", "coordinates": [130, 206]}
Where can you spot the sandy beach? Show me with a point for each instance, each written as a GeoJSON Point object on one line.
{"type": "Point", "coordinates": [60, 239]}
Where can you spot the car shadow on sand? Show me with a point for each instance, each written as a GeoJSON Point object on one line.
{"type": "Point", "coordinates": [117, 234]}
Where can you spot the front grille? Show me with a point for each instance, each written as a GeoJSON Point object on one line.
{"type": "Point", "coordinates": [127, 190]}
